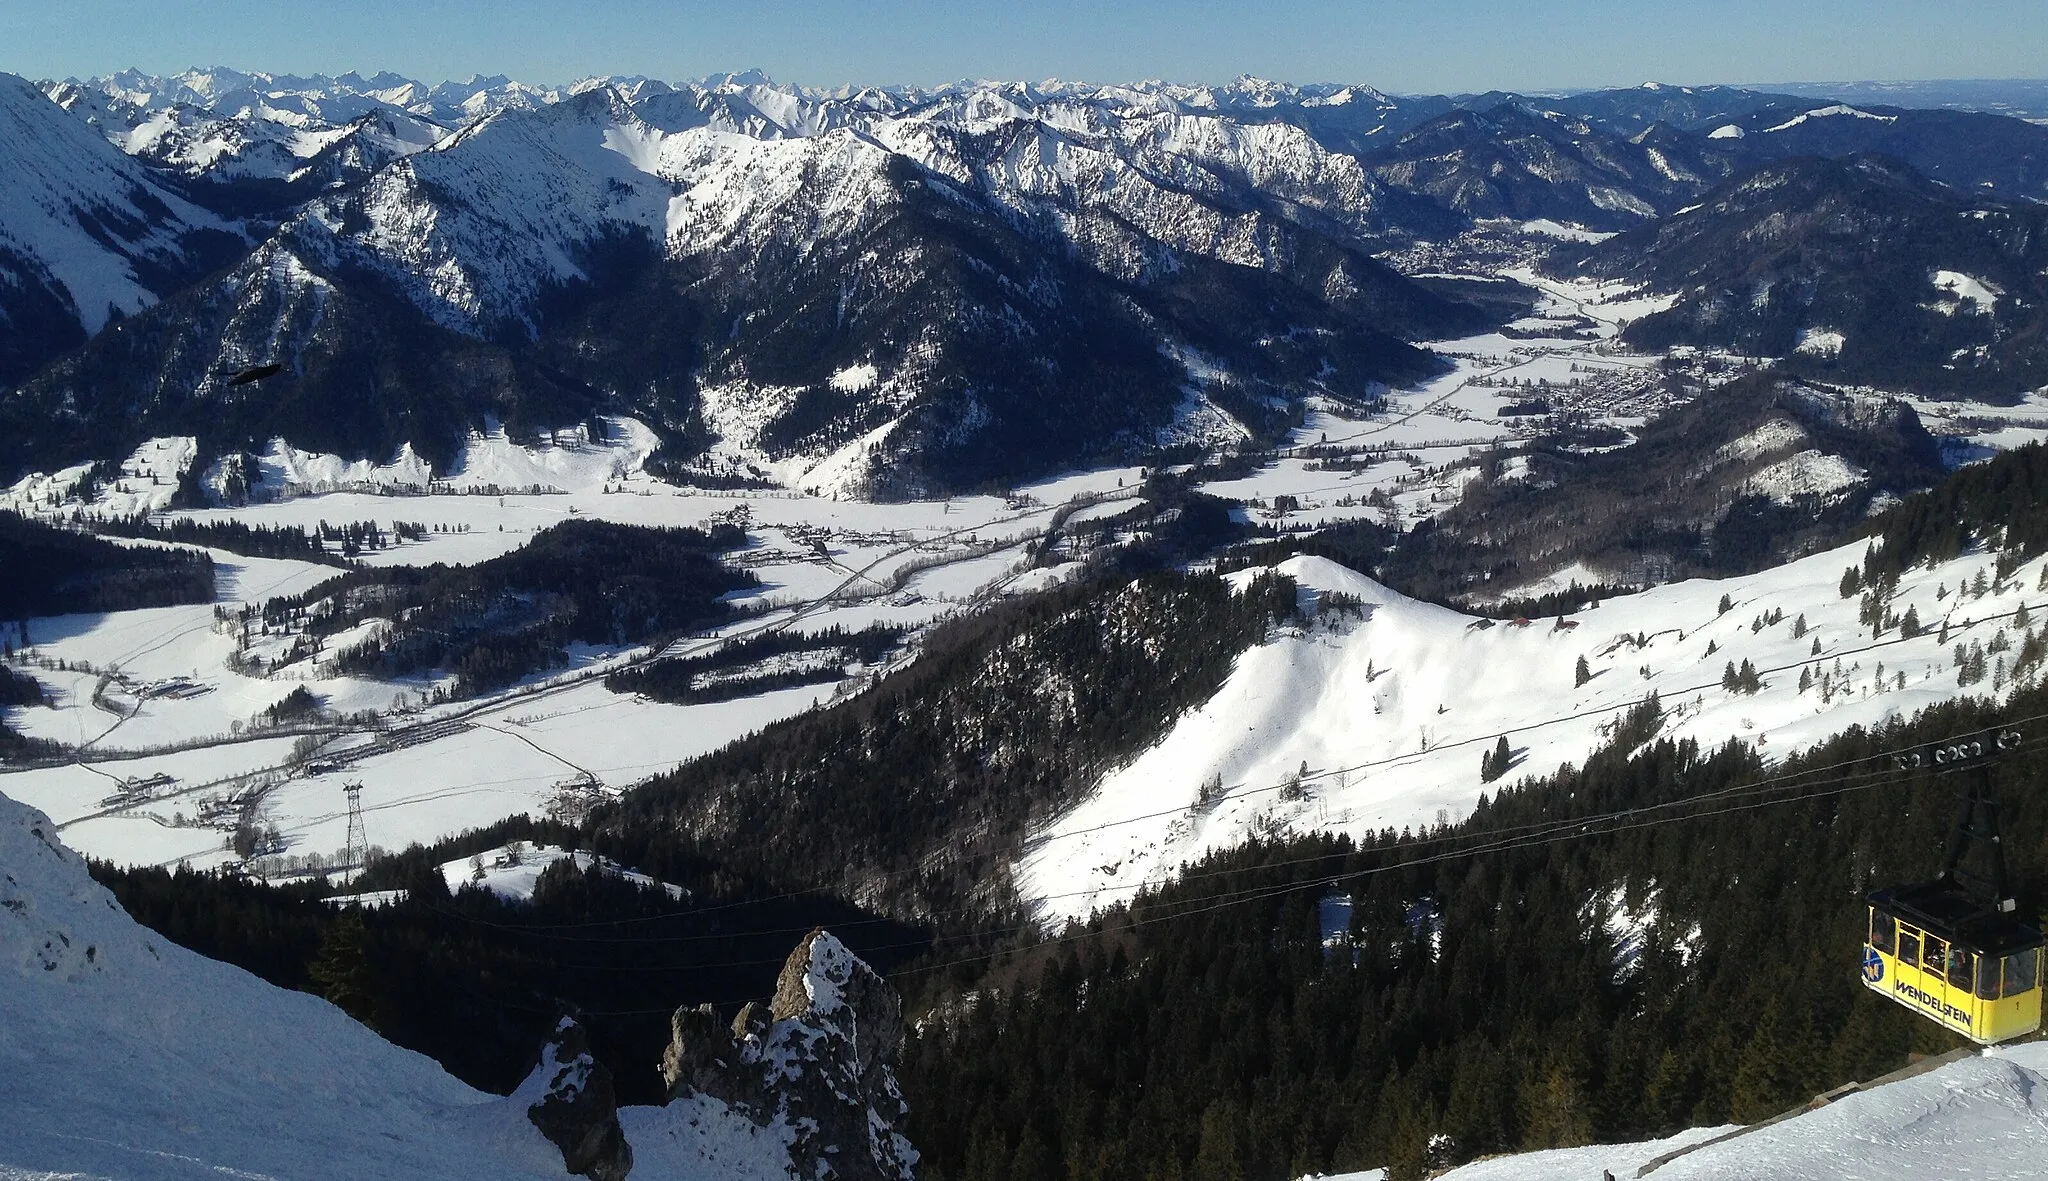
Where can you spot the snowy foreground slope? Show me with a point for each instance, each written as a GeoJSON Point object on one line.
{"type": "Point", "coordinates": [125, 1056]}
{"type": "Point", "coordinates": [1384, 710]}
{"type": "Point", "coordinates": [1984, 1118]}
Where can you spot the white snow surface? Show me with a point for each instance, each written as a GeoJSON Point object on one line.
{"type": "Point", "coordinates": [1570, 233]}
{"type": "Point", "coordinates": [1980, 295]}
{"type": "Point", "coordinates": [1839, 110]}
{"type": "Point", "coordinates": [1807, 474]}
{"type": "Point", "coordinates": [512, 871]}
{"type": "Point", "coordinates": [1819, 342]}
{"type": "Point", "coordinates": [125, 1056]}
{"type": "Point", "coordinates": [1984, 1118]}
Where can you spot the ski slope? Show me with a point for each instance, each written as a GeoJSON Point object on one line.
{"type": "Point", "coordinates": [1388, 709]}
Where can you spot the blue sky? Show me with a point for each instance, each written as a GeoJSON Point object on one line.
{"type": "Point", "coordinates": [1398, 45]}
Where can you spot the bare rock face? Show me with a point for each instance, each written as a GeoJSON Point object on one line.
{"type": "Point", "coordinates": [819, 1063]}
{"type": "Point", "coordinates": [571, 1101]}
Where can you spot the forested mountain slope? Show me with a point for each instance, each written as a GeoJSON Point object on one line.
{"type": "Point", "coordinates": [1858, 269]}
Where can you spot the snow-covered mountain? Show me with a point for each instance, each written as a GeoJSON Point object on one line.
{"type": "Point", "coordinates": [240, 135]}
{"type": "Point", "coordinates": [1369, 716]}
{"type": "Point", "coordinates": [913, 307]}
{"type": "Point", "coordinates": [87, 235]}
{"type": "Point", "coordinates": [1857, 268]}
{"type": "Point", "coordinates": [882, 291]}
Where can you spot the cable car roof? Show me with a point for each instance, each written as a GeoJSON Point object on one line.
{"type": "Point", "coordinates": [1944, 909]}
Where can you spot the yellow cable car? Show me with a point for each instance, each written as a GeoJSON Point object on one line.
{"type": "Point", "coordinates": [1955, 950]}
{"type": "Point", "coordinates": [1949, 958]}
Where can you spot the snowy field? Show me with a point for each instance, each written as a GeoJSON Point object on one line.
{"type": "Point", "coordinates": [171, 733]}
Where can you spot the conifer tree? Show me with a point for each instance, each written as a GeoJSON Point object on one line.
{"type": "Point", "coordinates": [1582, 674]}
{"type": "Point", "coordinates": [340, 970]}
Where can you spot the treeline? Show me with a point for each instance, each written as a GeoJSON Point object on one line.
{"type": "Point", "coordinates": [492, 623]}
{"type": "Point", "coordinates": [250, 541]}
{"type": "Point", "coordinates": [919, 792]}
{"type": "Point", "coordinates": [694, 680]}
{"type": "Point", "coordinates": [52, 571]}
{"type": "Point", "coordinates": [476, 981]}
{"type": "Point", "coordinates": [2003, 501]}
{"type": "Point", "coordinates": [18, 688]}
{"type": "Point", "coordinates": [1480, 1003]}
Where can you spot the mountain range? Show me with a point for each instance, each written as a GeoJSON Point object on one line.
{"type": "Point", "coordinates": [884, 291]}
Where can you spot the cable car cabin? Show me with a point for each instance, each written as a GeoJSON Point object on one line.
{"type": "Point", "coordinates": [1949, 957]}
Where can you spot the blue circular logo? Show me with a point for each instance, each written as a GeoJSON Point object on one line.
{"type": "Point", "coordinates": [1873, 965]}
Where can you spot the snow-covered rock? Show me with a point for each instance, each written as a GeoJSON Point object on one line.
{"type": "Point", "coordinates": [569, 1097]}
{"type": "Point", "coordinates": [815, 1071]}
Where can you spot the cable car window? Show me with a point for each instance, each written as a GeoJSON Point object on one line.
{"type": "Point", "coordinates": [1883, 932]}
{"type": "Point", "coordinates": [1960, 963]}
{"type": "Point", "coordinates": [2020, 972]}
{"type": "Point", "coordinates": [1932, 952]}
{"type": "Point", "coordinates": [1987, 978]}
{"type": "Point", "coordinates": [1909, 947]}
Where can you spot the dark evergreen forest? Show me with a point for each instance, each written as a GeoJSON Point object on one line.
{"type": "Point", "coordinates": [253, 541]}
{"type": "Point", "coordinates": [476, 981]}
{"type": "Point", "coordinates": [1206, 1031]}
{"type": "Point", "coordinates": [51, 571]}
{"type": "Point", "coordinates": [731, 671]}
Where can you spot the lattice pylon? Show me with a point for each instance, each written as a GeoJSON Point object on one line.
{"type": "Point", "coordinates": [357, 850]}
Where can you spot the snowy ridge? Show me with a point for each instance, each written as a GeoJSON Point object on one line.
{"type": "Point", "coordinates": [182, 1067]}
{"type": "Point", "coordinates": [563, 461]}
{"type": "Point", "coordinates": [512, 872]}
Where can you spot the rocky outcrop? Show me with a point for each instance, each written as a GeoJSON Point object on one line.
{"type": "Point", "coordinates": [818, 1062]}
{"type": "Point", "coordinates": [570, 1099]}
